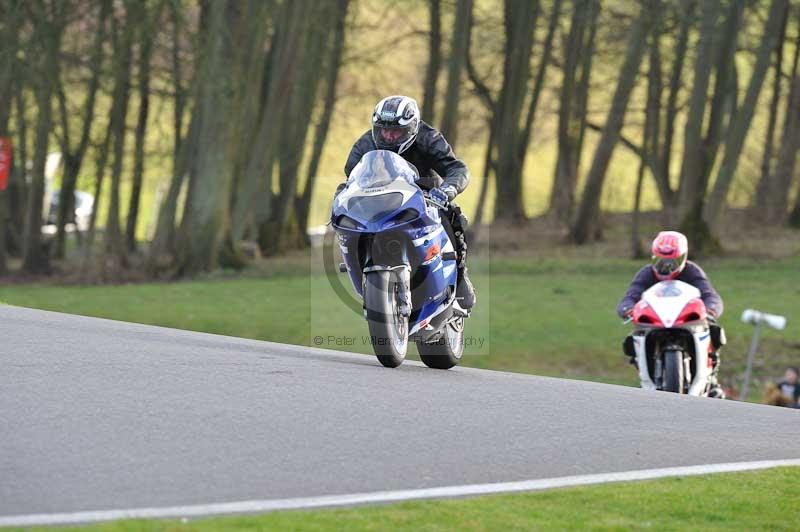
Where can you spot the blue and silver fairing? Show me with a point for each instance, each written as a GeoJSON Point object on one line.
{"type": "Point", "coordinates": [382, 219]}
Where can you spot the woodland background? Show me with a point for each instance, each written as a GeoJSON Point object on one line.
{"type": "Point", "coordinates": [210, 131]}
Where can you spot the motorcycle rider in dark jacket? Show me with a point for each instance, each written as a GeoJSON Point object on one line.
{"type": "Point", "coordinates": [397, 126]}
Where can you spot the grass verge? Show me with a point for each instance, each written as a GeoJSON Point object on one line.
{"type": "Point", "coordinates": [759, 500]}
{"type": "Point", "coordinates": [553, 317]}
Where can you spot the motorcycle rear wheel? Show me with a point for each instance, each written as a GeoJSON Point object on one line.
{"type": "Point", "coordinates": [446, 352]}
{"type": "Point", "coordinates": [673, 371]}
{"type": "Point", "coordinates": [387, 328]}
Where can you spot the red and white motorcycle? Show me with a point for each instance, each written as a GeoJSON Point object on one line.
{"type": "Point", "coordinates": [672, 340]}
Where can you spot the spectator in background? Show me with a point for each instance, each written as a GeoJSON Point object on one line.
{"type": "Point", "coordinates": [789, 386]}
{"type": "Point", "coordinates": [785, 392]}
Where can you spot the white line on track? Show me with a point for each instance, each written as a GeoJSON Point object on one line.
{"type": "Point", "coordinates": [261, 506]}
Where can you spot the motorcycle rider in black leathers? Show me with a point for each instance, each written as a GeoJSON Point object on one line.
{"type": "Point", "coordinates": [397, 126]}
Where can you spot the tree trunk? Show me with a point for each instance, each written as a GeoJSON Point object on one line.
{"type": "Point", "coordinates": [17, 187]}
{"type": "Point", "coordinates": [787, 158]}
{"type": "Point", "coordinates": [650, 134]}
{"type": "Point", "coordinates": [637, 251]}
{"type": "Point", "coordinates": [278, 80]}
{"type": "Point", "coordinates": [691, 190]}
{"type": "Point", "coordinates": [562, 194]}
{"type": "Point", "coordinates": [740, 125]}
{"type": "Point", "coordinates": [662, 174]}
{"type": "Point", "coordinates": [147, 35]}
{"type": "Point", "coordinates": [100, 168]}
{"type": "Point", "coordinates": [9, 42]}
{"type": "Point", "coordinates": [724, 98]}
{"type": "Point", "coordinates": [162, 247]}
{"type": "Point", "coordinates": [35, 257]}
{"type": "Point", "coordinates": [47, 33]}
{"type": "Point", "coordinates": [583, 86]}
{"type": "Point", "coordinates": [769, 140]}
{"type": "Point", "coordinates": [205, 213]}
{"type": "Point", "coordinates": [776, 190]}
{"type": "Point", "coordinates": [538, 85]}
{"type": "Point", "coordinates": [434, 61]}
{"type": "Point", "coordinates": [176, 16]}
{"type": "Point", "coordinates": [694, 149]}
{"type": "Point", "coordinates": [488, 168]}
{"type": "Point", "coordinates": [303, 203]}
{"type": "Point", "coordinates": [588, 212]}
{"type": "Point", "coordinates": [794, 217]}
{"type": "Point", "coordinates": [283, 226]}
{"type": "Point", "coordinates": [73, 158]}
{"type": "Point", "coordinates": [123, 43]}
{"type": "Point", "coordinates": [520, 22]}
{"type": "Point", "coordinates": [458, 49]}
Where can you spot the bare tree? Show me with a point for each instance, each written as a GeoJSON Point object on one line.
{"type": "Point", "coordinates": [692, 183]}
{"type": "Point", "coordinates": [787, 158]}
{"type": "Point", "coordinates": [520, 20]}
{"type": "Point", "coordinates": [794, 217]}
{"type": "Point", "coordinates": [572, 108]}
{"type": "Point", "coordinates": [48, 26]}
{"type": "Point", "coordinates": [455, 66]}
{"type": "Point", "coordinates": [162, 246]}
{"type": "Point", "coordinates": [101, 162]}
{"type": "Point", "coordinates": [650, 135]}
{"type": "Point", "coordinates": [334, 62]}
{"type": "Point", "coordinates": [205, 212]}
{"type": "Point", "coordinates": [509, 137]}
{"type": "Point", "coordinates": [17, 187]}
{"type": "Point", "coordinates": [281, 230]}
{"type": "Point", "coordinates": [769, 140]}
{"type": "Point", "coordinates": [589, 208]}
{"type": "Point", "coordinates": [740, 123]}
{"type": "Point", "coordinates": [149, 18]}
{"type": "Point", "coordinates": [434, 61]}
{"type": "Point", "coordinates": [122, 37]}
{"type": "Point", "coordinates": [73, 156]}
{"type": "Point", "coordinates": [279, 78]}
{"type": "Point", "coordinates": [10, 18]}
{"type": "Point", "coordinates": [685, 16]}
{"type": "Point", "coordinates": [773, 191]}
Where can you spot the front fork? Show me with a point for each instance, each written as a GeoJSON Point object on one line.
{"type": "Point", "coordinates": [639, 339]}
{"type": "Point", "coordinates": [401, 275]}
{"type": "Point", "coordinates": [697, 383]}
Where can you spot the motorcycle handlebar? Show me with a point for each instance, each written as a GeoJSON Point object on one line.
{"type": "Point", "coordinates": [432, 201]}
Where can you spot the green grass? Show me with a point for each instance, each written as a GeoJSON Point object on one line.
{"type": "Point", "coordinates": [763, 500]}
{"type": "Point", "coordinates": [552, 316]}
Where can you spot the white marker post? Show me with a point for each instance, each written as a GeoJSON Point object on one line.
{"type": "Point", "coordinates": [757, 319]}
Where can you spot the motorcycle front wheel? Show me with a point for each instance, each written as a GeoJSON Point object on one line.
{"type": "Point", "coordinates": [673, 371]}
{"type": "Point", "coordinates": [388, 330]}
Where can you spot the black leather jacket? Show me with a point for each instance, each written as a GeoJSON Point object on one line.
{"type": "Point", "coordinates": [430, 153]}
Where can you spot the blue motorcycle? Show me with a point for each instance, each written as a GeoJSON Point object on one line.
{"type": "Point", "coordinates": [401, 262]}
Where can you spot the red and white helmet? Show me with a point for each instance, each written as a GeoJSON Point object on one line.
{"type": "Point", "coordinates": [670, 249]}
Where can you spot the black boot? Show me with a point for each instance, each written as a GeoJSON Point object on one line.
{"type": "Point", "coordinates": [715, 391]}
{"type": "Point", "coordinates": [465, 292]}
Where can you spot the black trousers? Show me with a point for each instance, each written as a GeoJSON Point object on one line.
{"type": "Point", "coordinates": [455, 225]}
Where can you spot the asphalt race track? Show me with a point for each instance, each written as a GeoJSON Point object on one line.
{"type": "Point", "coordinates": [99, 415]}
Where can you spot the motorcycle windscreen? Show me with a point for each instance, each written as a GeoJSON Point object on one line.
{"type": "Point", "coordinates": [668, 289]}
{"type": "Point", "coordinates": [379, 168]}
{"type": "Point", "coordinates": [374, 208]}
